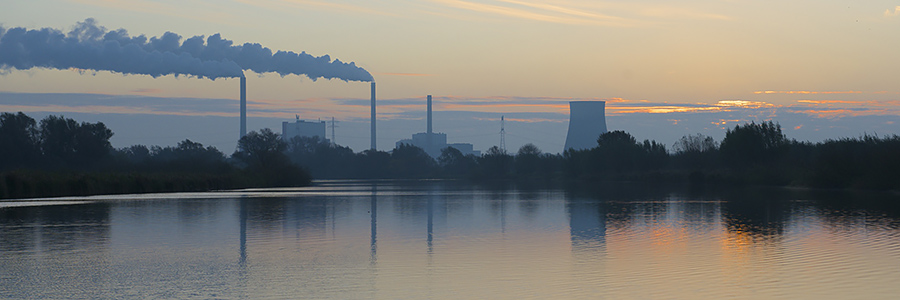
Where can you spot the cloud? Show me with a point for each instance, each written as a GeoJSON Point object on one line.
{"type": "Point", "coordinates": [216, 16]}
{"type": "Point", "coordinates": [888, 13]}
{"type": "Point", "coordinates": [147, 91]}
{"type": "Point", "coordinates": [541, 12]}
{"type": "Point", "coordinates": [320, 5]}
{"type": "Point", "coordinates": [405, 74]}
{"type": "Point", "coordinates": [809, 92]}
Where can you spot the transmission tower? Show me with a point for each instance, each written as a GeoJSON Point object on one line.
{"type": "Point", "coordinates": [332, 126]}
{"type": "Point", "coordinates": [502, 134]}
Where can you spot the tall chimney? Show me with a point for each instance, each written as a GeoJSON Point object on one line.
{"type": "Point", "coordinates": [429, 114]}
{"type": "Point", "coordinates": [243, 106]}
{"type": "Point", "coordinates": [373, 116]}
{"type": "Point", "coordinates": [430, 140]}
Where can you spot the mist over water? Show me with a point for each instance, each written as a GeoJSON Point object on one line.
{"type": "Point", "coordinates": [437, 239]}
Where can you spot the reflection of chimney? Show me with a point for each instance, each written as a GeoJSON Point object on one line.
{"type": "Point", "coordinates": [243, 106]}
{"type": "Point", "coordinates": [373, 116]}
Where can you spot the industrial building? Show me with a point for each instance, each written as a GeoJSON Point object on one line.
{"type": "Point", "coordinates": [587, 121]}
{"type": "Point", "coordinates": [302, 128]}
{"type": "Point", "coordinates": [433, 142]}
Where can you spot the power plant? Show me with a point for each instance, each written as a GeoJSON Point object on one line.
{"type": "Point", "coordinates": [303, 128]}
{"type": "Point", "coordinates": [433, 142]}
{"type": "Point", "coordinates": [587, 121]}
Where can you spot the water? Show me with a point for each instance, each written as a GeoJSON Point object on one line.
{"type": "Point", "coordinates": [432, 239]}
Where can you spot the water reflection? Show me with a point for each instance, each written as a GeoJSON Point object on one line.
{"type": "Point", "coordinates": [437, 238]}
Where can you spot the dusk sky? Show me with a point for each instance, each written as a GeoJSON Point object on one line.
{"type": "Point", "coordinates": [822, 69]}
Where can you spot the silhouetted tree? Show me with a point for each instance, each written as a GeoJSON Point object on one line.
{"type": "Point", "coordinates": [752, 143]}
{"type": "Point", "coordinates": [66, 143]}
{"type": "Point", "coordinates": [261, 149]}
{"type": "Point", "coordinates": [616, 151]}
{"type": "Point", "coordinates": [372, 164]}
{"type": "Point", "coordinates": [408, 161]}
{"type": "Point", "coordinates": [321, 158]}
{"type": "Point", "coordinates": [695, 152]}
{"type": "Point", "coordinates": [654, 155]}
{"type": "Point", "coordinates": [263, 153]}
{"type": "Point", "coordinates": [528, 160]}
{"type": "Point", "coordinates": [455, 164]}
{"type": "Point", "coordinates": [19, 141]}
{"type": "Point", "coordinates": [495, 163]}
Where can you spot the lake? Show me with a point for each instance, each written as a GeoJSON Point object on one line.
{"type": "Point", "coordinates": [446, 239]}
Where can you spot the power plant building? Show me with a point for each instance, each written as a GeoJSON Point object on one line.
{"type": "Point", "coordinates": [587, 121]}
{"type": "Point", "coordinates": [302, 128]}
{"type": "Point", "coordinates": [433, 142]}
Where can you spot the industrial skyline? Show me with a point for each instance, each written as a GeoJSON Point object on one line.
{"type": "Point", "coordinates": [821, 69]}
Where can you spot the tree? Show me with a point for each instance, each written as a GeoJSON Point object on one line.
{"type": "Point", "coordinates": [455, 164]}
{"type": "Point", "coordinates": [695, 151]}
{"type": "Point", "coordinates": [65, 142]}
{"type": "Point", "coordinates": [263, 154]}
{"type": "Point", "coordinates": [695, 144]}
{"type": "Point", "coordinates": [528, 160]}
{"type": "Point", "coordinates": [408, 161]}
{"type": "Point", "coordinates": [616, 151]}
{"type": "Point", "coordinates": [321, 158]}
{"type": "Point", "coordinates": [372, 164]}
{"type": "Point", "coordinates": [753, 143]}
{"type": "Point", "coordinates": [19, 141]}
{"type": "Point", "coordinates": [495, 163]}
{"type": "Point", "coordinates": [261, 149]}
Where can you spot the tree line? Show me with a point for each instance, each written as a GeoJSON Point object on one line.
{"type": "Point", "coordinates": [59, 156]}
{"type": "Point", "coordinates": [750, 153]}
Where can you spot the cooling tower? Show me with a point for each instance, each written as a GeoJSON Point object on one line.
{"type": "Point", "coordinates": [587, 121]}
{"type": "Point", "coordinates": [243, 106]}
{"type": "Point", "coordinates": [373, 116]}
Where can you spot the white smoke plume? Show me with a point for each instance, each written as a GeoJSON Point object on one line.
{"type": "Point", "coordinates": [92, 47]}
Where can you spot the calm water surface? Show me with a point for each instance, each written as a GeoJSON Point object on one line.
{"type": "Point", "coordinates": [433, 239]}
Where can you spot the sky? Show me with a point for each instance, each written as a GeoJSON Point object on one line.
{"type": "Point", "coordinates": [821, 69]}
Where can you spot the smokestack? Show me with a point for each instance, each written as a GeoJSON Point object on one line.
{"type": "Point", "coordinates": [430, 147]}
{"type": "Point", "coordinates": [373, 116]}
{"type": "Point", "coordinates": [587, 121]}
{"type": "Point", "coordinates": [243, 106]}
{"type": "Point", "coordinates": [429, 114]}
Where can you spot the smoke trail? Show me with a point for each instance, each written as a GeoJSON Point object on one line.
{"type": "Point", "coordinates": [92, 47]}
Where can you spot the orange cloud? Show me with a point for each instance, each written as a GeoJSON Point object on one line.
{"type": "Point", "coordinates": [849, 102]}
{"type": "Point", "coordinates": [840, 113]}
{"type": "Point", "coordinates": [722, 122]}
{"type": "Point", "coordinates": [617, 110]}
{"type": "Point", "coordinates": [744, 103]}
{"type": "Point", "coordinates": [888, 13]}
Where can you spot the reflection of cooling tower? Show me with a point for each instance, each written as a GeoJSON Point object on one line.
{"type": "Point", "coordinates": [587, 121]}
